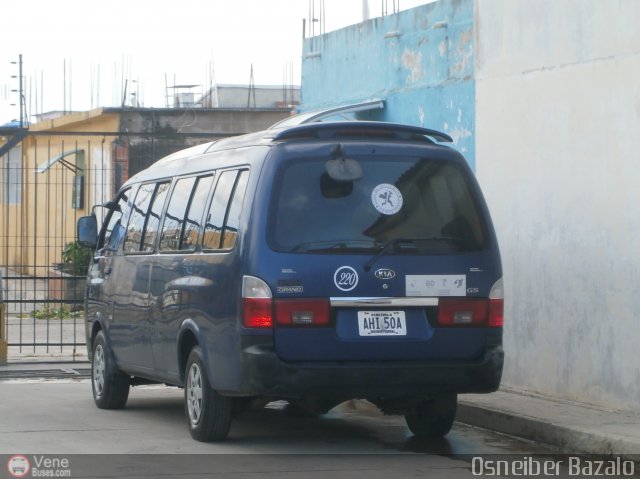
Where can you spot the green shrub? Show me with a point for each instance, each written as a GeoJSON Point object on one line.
{"type": "Point", "coordinates": [48, 312]}
{"type": "Point", "coordinates": [76, 258]}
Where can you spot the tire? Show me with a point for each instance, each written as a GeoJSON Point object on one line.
{"type": "Point", "coordinates": [208, 414]}
{"type": "Point", "coordinates": [110, 386]}
{"type": "Point", "coordinates": [433, 418]}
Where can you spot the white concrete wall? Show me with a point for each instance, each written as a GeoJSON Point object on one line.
{"type": "Point", "coordinates": [558, 157]}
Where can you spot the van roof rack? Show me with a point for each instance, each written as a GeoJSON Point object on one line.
{"type": "Point", "coordinates": [360, 128]}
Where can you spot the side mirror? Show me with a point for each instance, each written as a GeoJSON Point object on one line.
{"type": "Point", "coordinates": [87, 231]}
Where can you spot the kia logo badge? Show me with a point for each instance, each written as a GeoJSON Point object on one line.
{"type": "Point", "coordinates": [384, 273]}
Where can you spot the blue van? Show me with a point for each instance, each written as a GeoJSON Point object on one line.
{"type": "Point", "coordinates": [314, 264]}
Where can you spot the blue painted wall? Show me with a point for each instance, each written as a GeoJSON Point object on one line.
{"type": "Point", "coordinates": [419, 60]}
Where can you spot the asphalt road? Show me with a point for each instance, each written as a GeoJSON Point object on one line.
{"type": "Point", "coordinates": [58, 419]}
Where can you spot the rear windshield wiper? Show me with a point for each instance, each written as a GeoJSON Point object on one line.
{"type": "Point", "coordinates": [411, 242]}
{"type": "Point", "coordinates": [333, 245]}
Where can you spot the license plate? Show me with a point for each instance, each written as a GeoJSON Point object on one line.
{"type": "Point", "coordinates": [382, 323]}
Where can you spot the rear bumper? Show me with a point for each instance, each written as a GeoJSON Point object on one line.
{"type": "Point", "coordinates": [265, 374]}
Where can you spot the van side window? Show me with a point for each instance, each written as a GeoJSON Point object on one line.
{"type": "Point", "coordinates": [193, 220]}
{"type": "Point", "coordinates": [218, 210]}
{"type": "Point", "coordinates": [174, 218]}
{"type": "Point", "coordinates": [183, 218]}
{"type": "Point", "coordinates": [113, 228]}
{"type": "Point", "coordinates": [230, 232]}
{"type": "Point", "coordinates": [135, 229]}
{"type": "Point", "coordinates": [138, 215]}
{"type": "Point", "coordinates": [153, 218]}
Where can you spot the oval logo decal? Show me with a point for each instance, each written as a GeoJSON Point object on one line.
{"type": "Point", "coordinates": [385, 273]}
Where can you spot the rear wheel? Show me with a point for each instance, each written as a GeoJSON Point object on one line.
{"type": "Point", "coordinates": [208, 414]}
{"type": "Point", "coordinates": [433, 417]}
{"type": "Point", "coordinates": [110, 386]}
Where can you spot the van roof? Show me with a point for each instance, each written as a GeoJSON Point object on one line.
{"type": "Point", "coordinates": [339, 130]}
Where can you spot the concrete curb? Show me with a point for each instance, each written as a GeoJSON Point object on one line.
{"type": "Point", "coordinates": [569, 439]}
{"type": "Point", "coordinates": [46, 370]}
{"type": "Point", "coordinates": [603, 432]}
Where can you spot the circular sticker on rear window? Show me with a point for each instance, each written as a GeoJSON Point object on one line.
{"type": "Point", "coordinates": [345, 278]}
{"type": "Point", "coordinates": [387, 199]}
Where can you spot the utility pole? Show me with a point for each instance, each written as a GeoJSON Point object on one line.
{"type": "Point", "coordinates": [252, 90]}
{"type": "Point", "coordinates": [20, 89]}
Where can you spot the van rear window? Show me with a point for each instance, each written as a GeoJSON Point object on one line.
{"type": "Point", "coordinates": [430, 203]}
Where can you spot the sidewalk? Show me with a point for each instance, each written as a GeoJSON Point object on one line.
{"type": "Point", "coordinates": [572, 427]}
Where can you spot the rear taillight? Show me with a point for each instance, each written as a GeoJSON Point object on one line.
{"type": "Point", "coordinates": [257, 303]}
{"type": "Point", "coordinates": [473, 312]}
{"type": "Point", "coordinates": [496, 308]}
{"type": "Point", "coordinates": [496, 305]}
{"type": "Point", "coordinates": [301, 312]}
{"type": "Point", "coordinates": [258, 313]}
{"type": "Point", "coordinates": [463, 312]}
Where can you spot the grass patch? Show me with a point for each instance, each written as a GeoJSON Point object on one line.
{"type": "Point", "coordinates": [52, 313]}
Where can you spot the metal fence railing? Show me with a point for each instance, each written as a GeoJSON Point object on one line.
{"type": "Point", "coordinates": [46, 184]}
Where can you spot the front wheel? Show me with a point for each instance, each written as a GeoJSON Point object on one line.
{"type": "Point", "coordinates": [432, 418]}
{"type": "Point", "coordinates": [110, 386]}
{"type": "Point", "coordinates": [208, 413]}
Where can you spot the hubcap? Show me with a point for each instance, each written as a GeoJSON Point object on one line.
{"type": "Point", "coordinates": [194, 394]}
{"type": "Point", "coordinates": [98, 371]}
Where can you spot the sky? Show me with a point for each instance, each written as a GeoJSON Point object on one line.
{"type": "Point", "coordinates": [78, 54]}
